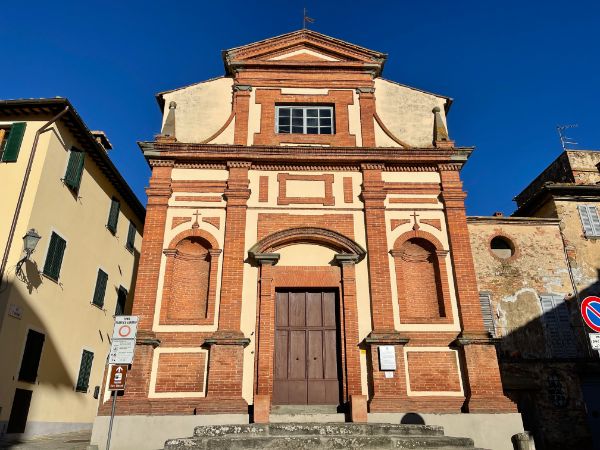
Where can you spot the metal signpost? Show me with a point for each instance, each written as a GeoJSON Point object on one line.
{"type": "Point", "coordinates": [119, 359]}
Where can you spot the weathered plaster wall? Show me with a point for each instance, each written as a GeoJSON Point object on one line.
{"type": "Point", "coordinates": [406, 112]}
{"type": "Point", "coordinates": [202, 109]}
{"type": "Point", "coordinates": [537, 267]}
{"type": "Point", "coordinates": [584, 254]}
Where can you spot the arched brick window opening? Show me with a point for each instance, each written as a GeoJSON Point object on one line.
{"type": "Point", "coordinates": [421, 276]}
{"type": "Point", "coordinates": [189, 289]}
{"type": "Point", "coordinates": [191, 274]}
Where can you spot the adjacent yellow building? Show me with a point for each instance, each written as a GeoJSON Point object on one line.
{"type": "Point", "coordinates": [57, 302]}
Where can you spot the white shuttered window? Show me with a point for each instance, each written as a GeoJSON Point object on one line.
{"type": "Point", "coordinates": [486, 311]}
{"type": "Point", "coordinates": [590, 220]}
{"type": "Point", "coordinates": [557, 324]}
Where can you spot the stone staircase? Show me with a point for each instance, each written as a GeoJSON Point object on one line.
{"type": "Point", "coordinates": [301, 436]}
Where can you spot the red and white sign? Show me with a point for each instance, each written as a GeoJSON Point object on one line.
{"type": "Point", "coordinates": [125, 327]}
{"type": "Point", "coordinates": [590, 311]}
{"type": "Point", "coordinates": [123, 340]}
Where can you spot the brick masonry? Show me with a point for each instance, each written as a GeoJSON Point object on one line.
{"type": "Point", "coordinates": [192, 291]}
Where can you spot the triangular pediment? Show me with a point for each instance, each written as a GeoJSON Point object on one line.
{"type": "Point", "coordinates": [302, 47]}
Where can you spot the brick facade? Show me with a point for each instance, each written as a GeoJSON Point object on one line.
{"type": "Point", "coordinates": [208, 287]}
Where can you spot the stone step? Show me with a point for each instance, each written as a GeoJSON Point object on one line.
{"type": "Point", "coordinates": [321, 429]}
{"type": "Point", "coordinates": [307, 418]}
{"type": "Point", "coordinates": [309, 442]}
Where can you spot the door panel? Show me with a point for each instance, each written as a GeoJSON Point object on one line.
{"type": "Point", "coordinates": [297, 309]}
{"type": "Point", "coordinates": [330, 362]}
{"type": "Point", "coordinates": [315, 355]}
{"type": "Point", "coordinates": [19, 411]}
{"type": "Point", "coordinates": [313, 309]}
{"type": "Point", "coordinates": [297, 355]}
{"type": "Point", "coordinates": [306, 349]}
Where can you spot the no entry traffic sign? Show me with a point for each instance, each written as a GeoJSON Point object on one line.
{"type": "Point", "coordinates": [590, 311]}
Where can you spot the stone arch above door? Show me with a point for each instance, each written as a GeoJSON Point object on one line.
{"type": "Point", "coordinates": [308, 235]}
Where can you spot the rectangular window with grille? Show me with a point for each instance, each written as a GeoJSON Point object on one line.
{"type": "Point", "coordinates": [485, 301]}
{"type": "Point", "coordinates": [74, 169]}
{"type": "Point", "coordinates": [304, 119]}
{"type": "Point", "coordinates": [557, 325]}
{"type": "Point", "coordinates": [85, 369]}
{"type": "Point", "coordinates": [113, 215]}
{"type": "Point", "coordinates": [31, 356]}
{"type": "Point", "coordinates": [54, 258]}
{"type": "Point", "coordinates": [11, 138]}
{"type": "Point", "coordinates": [130, 237]}
{"type": "Point", "coordinates": [590, 220]}
{"type": "Point", "coordinates": [100, 289]}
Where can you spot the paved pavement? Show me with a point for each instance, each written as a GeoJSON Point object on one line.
{"type": "Point", "coordinates": [68, 441]}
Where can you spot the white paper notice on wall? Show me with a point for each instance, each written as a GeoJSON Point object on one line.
{"type": "Point", "coordinates": [387, 357]}
{"type": "Point", "coordinates": [389, 374]}
{"type": "Point", "coordinates": [15, 311]}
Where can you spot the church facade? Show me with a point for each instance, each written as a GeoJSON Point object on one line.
{"type": "Point", "coordinates": [306, 244]}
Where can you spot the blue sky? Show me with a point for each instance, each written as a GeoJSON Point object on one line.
{"type": "Point", "coordinates": [514, 69]}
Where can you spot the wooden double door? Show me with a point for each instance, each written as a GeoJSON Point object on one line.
{"type": "Point", "coordinates": [307, 364]}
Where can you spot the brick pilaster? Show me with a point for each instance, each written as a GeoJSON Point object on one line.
{"type": "Point", "coordinates": [460, 251]}
{"type": "Point", "coordinates": [226, 355]}
{"type": "Point", "coordinates": [266, 319]}
{"type": "Point", "coordinates": [241, 105]}
{"type": "Point", "coordinates": [350, 351]}
{"type": "Point", "coordinates": [483, 386]}
{"type": "Point", "coordinates": [366, 100]}
{"type": "Point", "coordinates": [159, 192]}
{"type": "Point", "coordinates": [373, 195]}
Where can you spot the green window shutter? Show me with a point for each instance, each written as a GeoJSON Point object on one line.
{"type": "Point", "coordinates": [83, 380]}
{"type": "Point", "coordinates": [113, 216]}
{"type": "Point", "coordinates": [131, 236]}
{"type": "Point", "coordinates": [100, 290]}
{"type": "Point", "coordinates": [74, 169]}
{"type": "Point", "coordinates": [56, 251]}
{"type": "Point", "coordinates": [13, 144]}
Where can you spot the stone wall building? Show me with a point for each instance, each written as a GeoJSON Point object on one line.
{"type": "Point", "coordinates": [305, 219]}
{"type": "Point", "coordinates": [57, 302]}
{"type": "Point", "coordinates": [533, 270]}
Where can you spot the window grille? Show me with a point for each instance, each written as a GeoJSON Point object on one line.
{"type": "Point", "coordinates": [304, 119]}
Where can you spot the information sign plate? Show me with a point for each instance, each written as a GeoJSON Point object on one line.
{"type": "Point", "coordinates": [387, 357]}
{"type": "Point", "coordinates": [121, 351]}
{"type": "Point", "coordinates": [595, 340]}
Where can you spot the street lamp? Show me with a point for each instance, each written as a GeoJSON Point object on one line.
{"type": "Point", "coordinates": [30, 241]}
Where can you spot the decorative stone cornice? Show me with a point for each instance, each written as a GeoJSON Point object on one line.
{"type": "Point", "coordinates": [449, 167]}
{"type": "Point", "coordinates": [345, 259]}
{"type": "Point", "coordinates": [227, 338]}
{"type": "Point", "coordinates": [161, 163]}
{"type": "Point", "coordinates": [483, 338]}
{"type": "Point", "coordinates": [392, 337]}
{"type": "Point", "coordinates": [242, 88]}
{"type": "Point", "coordinates": [147, 337]}
{"type": "Point", "coordinates": [265, 258]}
{"type": "Point", "coordinates": [372, 166]}
{"type": "Point", "coordinates": [239, 164]}
{"type": "Point", "coordinates": [365, 90]}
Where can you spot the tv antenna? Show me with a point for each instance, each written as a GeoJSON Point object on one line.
{"type": "Point", "coordinates": [565, 141]}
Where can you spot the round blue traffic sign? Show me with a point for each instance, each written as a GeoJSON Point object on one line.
{"type": "Point", "coordinates": [590, 311]}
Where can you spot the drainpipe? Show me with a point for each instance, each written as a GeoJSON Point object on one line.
{"type": "Point", "coordinates": [13, 226]}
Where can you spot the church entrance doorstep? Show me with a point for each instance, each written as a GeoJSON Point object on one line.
{"type": "Point", "coordinates": [306, 359]}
